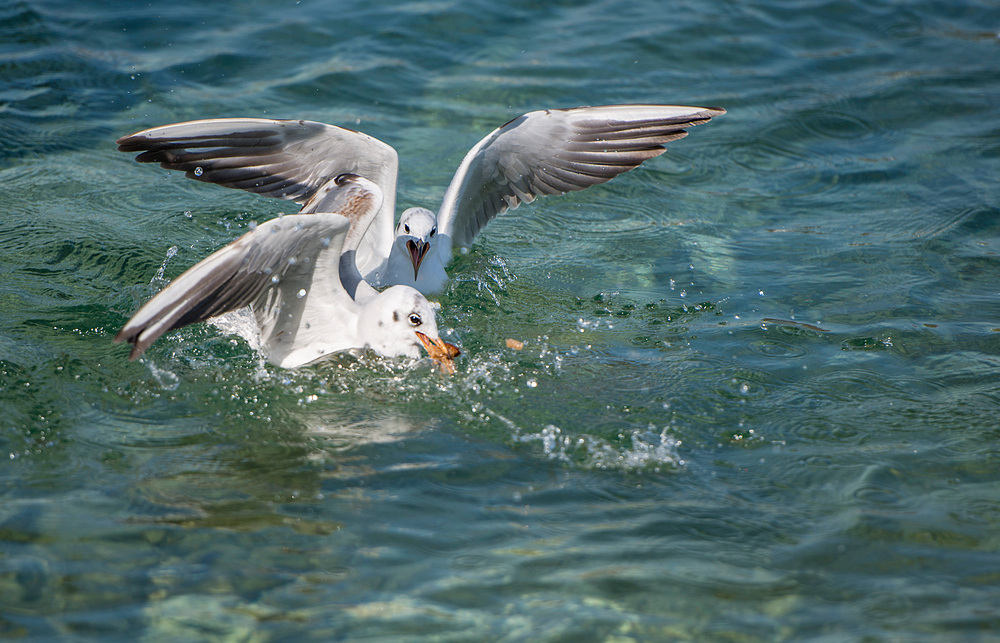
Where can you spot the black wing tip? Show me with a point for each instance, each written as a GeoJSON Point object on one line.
{"type": "Point", "coordinates": [135, 142]}
{"type": "Point", "coordinates": [144, 147]}
{"type": "Point", "coordinates": [136, 352]}
{"type": "Point", "coordinates": [139, 344]}
{"type": "Point", "coordinates": [132, 337]}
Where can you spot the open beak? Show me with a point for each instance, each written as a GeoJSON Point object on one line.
{"type": "Point", "coordinates": [441, 351]}
{"type": "Point", "coordinates": [417, 249]}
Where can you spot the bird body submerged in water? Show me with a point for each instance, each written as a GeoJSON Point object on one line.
{"type": "Point", "coordinates": [538, 153]}
{"type": "Point", "coordinates": [291, 273]}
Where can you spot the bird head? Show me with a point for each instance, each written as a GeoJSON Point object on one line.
{"type": "Point", "coordinates": [415, 233]}
{"type": "Point", "coordinates": [390, 322]}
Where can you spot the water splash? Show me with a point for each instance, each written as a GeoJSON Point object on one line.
{"type": "Point", "coordinates": [242, 323]}
{"type": "Point", "coordinates": [168, 380]}
{"type": "Point", "coordinates": [639, 450]}
{"type": "Point", "coordinates": [158, 279]}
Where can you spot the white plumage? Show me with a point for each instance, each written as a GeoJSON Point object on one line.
{"type": "Point", "coordinates": [538, 153]}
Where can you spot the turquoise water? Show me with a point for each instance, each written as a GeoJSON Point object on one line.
{"type": "Point", "coordinates": [759, 394]}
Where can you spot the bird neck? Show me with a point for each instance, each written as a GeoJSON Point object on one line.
{"type": "Point", "coordinates": [431, 278]}
{"type": "Point", "coordinates": [350, 276]}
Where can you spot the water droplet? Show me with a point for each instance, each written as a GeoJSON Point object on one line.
{"type": "Point", "coordinates": [188, 214]}
{"type": "Point", "coordinates": [292, 261]}
{"type": "Point", "coordinates": [275, 279]}
{"type": "Point", "coordinates": [532, 383]}
{"type": "Point", "coordinates": [252, 226]}
{"type": "Point", "coordinates": [301, 293]}
{"type": "Point", "coordinates": [325, 242]}
{"type": "Point", "coordinates": [198, 171]}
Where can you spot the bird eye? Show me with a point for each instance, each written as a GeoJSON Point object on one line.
{"type": "Point", "coordinates": [406, 228]}
{"type": "Point", "coordinates": [433, 231]}
{"type": "Point", "coordinates": [415, 319]}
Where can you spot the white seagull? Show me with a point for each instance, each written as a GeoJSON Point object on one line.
{"type": "Point", "coordinates": [543, 152]}
{"type": "Point", "coordinates": [292, 272]}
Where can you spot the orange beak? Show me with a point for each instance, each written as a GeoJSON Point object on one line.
{"type": "Point", "coordinates": [441, 351]}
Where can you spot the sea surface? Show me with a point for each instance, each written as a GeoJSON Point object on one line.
{"type": "Point", "coordinates": [758, 397]}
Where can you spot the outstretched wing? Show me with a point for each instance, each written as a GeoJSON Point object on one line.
{"type": "Point", "coordinates": [554, 152]}
{"type": "Point", "coordinates": [267, 266]}
{"type": "Point", "coordinates": [285, 159]}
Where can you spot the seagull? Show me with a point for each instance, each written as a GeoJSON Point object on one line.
{"type": "Point", "coordinates": [291, 272]}
{"type": "Point", "coordinates": [544, 152]}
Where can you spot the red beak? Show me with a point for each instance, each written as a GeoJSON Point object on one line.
{"type": "Point", "coordinates": [418, 249]}
{"type": "Point", "coordinates": [441, 351]}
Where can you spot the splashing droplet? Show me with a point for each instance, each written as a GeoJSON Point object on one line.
{"type": "Point", "coordinates": [301, 293]}
{"type": "Point", "coordinates": [198, 171]}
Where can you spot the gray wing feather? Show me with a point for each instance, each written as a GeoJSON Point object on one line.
{"type": "Point", "coordinates": [285, 159]}
{"type": "Point", "coordinates": [557, 151]}
{"type": "Point", "coordinates": [234, 276]}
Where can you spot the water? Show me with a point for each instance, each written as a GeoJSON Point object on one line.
{"type": "Point", "coordinates": [758, 394]}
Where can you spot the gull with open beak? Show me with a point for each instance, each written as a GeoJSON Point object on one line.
{"type": "Point", "coordinates": [297, 275]}
{"type": "Point", "coordinates": [543, 152]}
{"type": "Point", "coordinates": [414, 235]}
